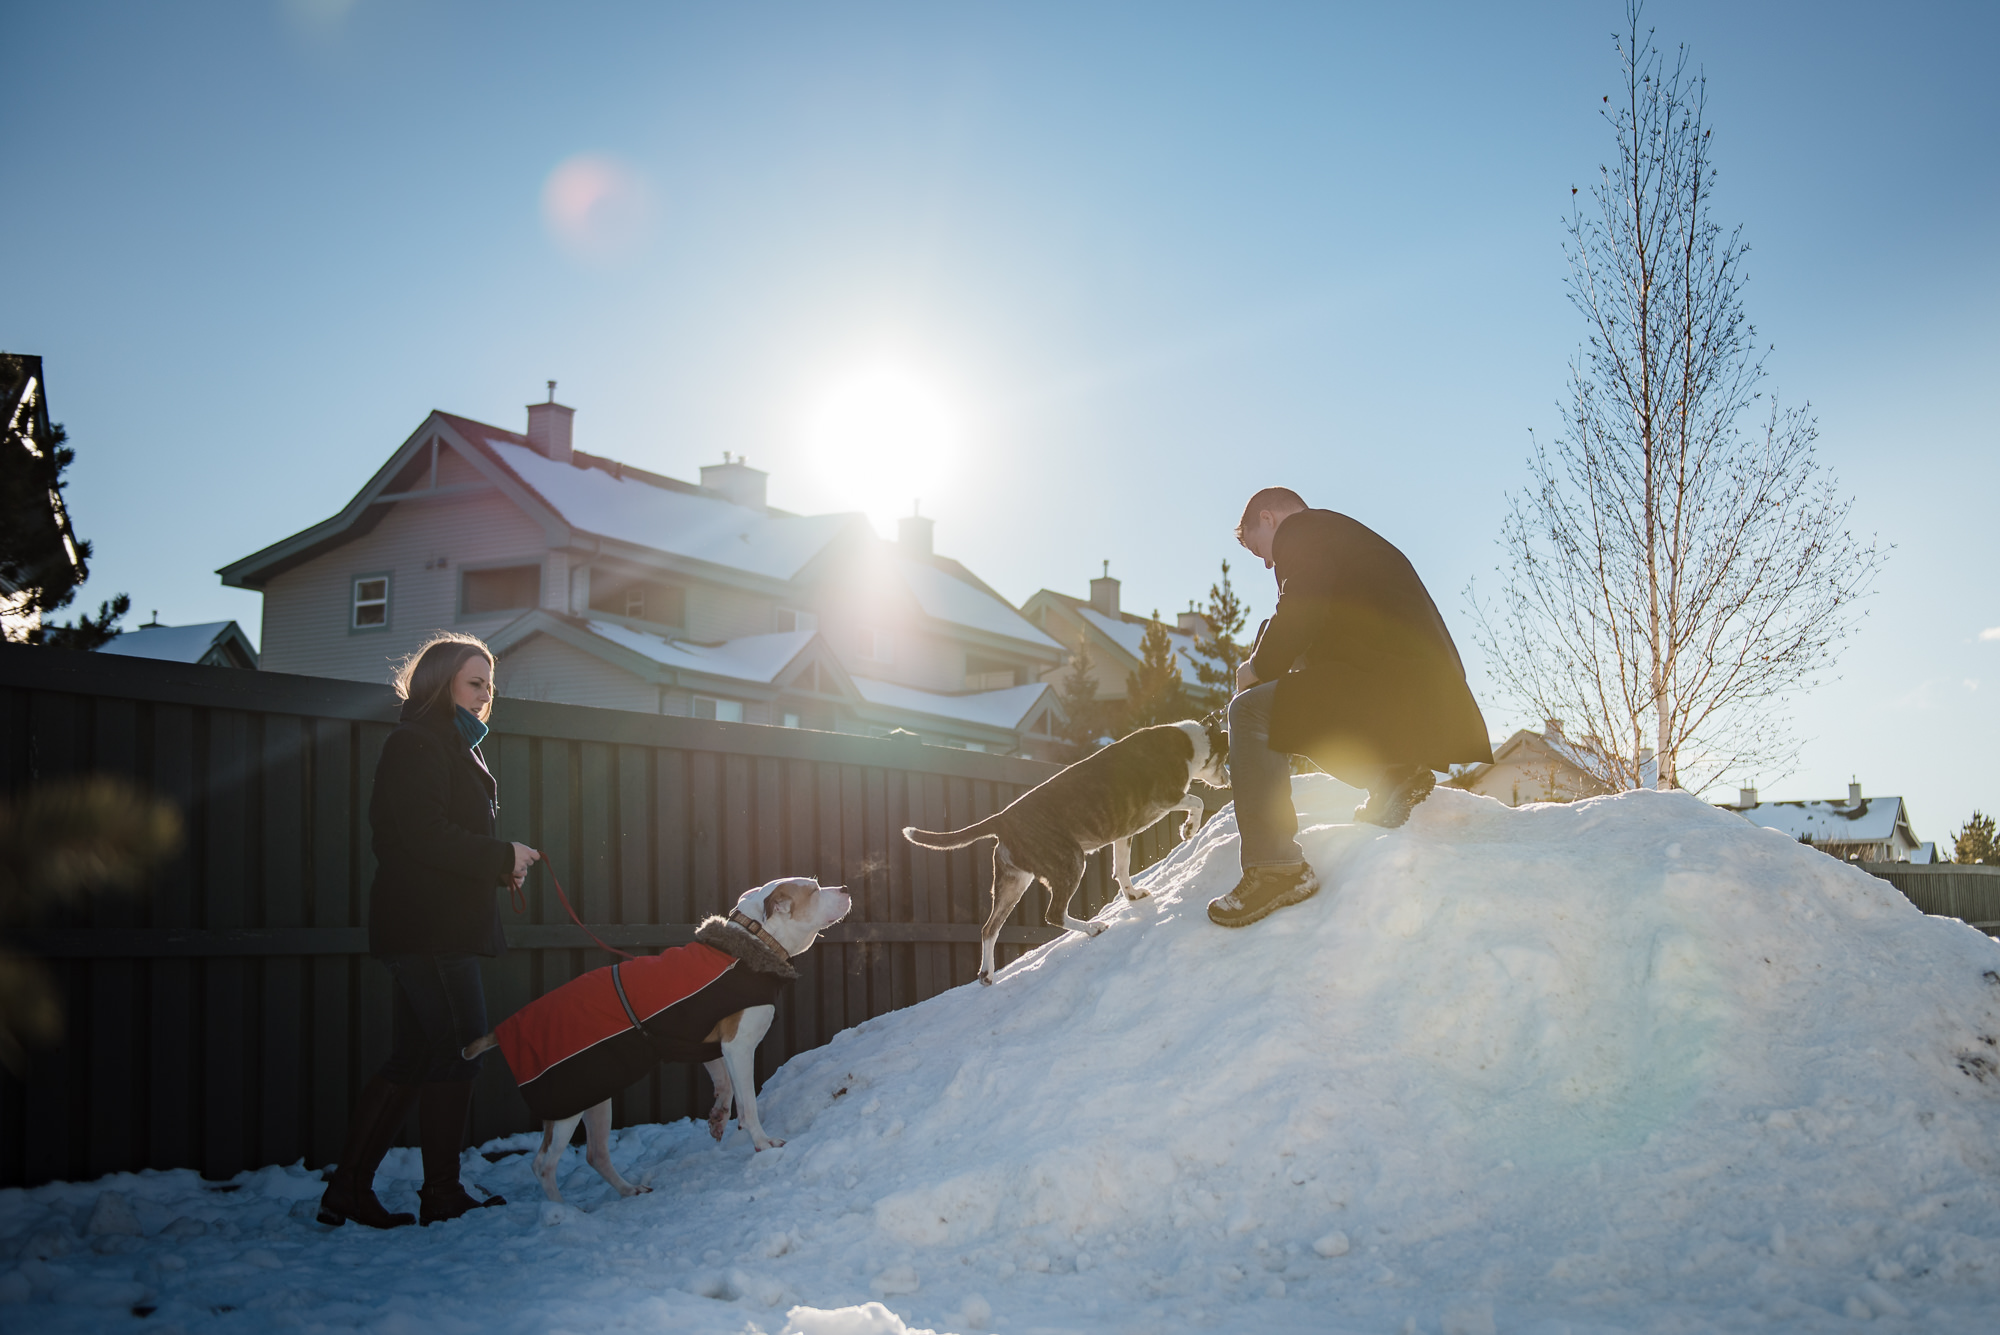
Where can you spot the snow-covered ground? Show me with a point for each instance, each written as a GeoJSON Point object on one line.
{"type": "Point", "coordinates": [1628, 1065]}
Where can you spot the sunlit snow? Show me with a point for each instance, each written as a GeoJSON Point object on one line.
{"type": "Point", "coordinates": [1631, 1064]}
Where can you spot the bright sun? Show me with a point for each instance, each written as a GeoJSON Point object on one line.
{"type": "Point", "coordinates": [882, 438]}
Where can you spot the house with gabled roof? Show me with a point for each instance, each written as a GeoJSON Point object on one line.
{"type": "Point", "coordinates": [1860, 829]}
{"type": "Point", "coordinates": [603, 584]}
{"type": "Point", "coordinates": [210, 643]}
{"type": "Point", "coordinates": [1113, 636]}
{"type": "Point", "coordinates": [1547, 766]}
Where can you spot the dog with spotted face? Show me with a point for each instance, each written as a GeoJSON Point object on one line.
{"type": "Point", "coordinates": [711, 1001]}
{"type": "Point", "coordinates": [1046, 833]}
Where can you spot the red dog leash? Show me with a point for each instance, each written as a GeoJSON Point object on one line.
{"type": "Point", "coordinates": [521, 906]}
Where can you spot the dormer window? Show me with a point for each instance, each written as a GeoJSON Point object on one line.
{"type": "Point", "coordinates": [506, 589]}
{"type": "Point", "coordinates": [790, 618]}
{"type": "Point", "coordinates": [637, 598]}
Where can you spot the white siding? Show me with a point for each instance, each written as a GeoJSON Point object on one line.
{"type": "Point", "coordinates": [306, 609]}
{"type": "Point", "coordinates": [547, 669]}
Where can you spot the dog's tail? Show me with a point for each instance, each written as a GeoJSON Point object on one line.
{"type": "Point", "coordinates": [971, 834]}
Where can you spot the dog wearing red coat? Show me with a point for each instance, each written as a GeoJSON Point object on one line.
{"type": "Point", "coordinates": [710, 1001]}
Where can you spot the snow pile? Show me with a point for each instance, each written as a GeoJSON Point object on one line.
{"type": "Point", "coordinates": [1627, 1064]}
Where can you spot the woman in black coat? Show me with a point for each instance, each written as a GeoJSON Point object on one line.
{"type": "Point", "coordinates": [431, 913]}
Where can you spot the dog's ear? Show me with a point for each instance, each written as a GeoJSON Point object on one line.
{"type": "Point", "coordinates": [790, 896]}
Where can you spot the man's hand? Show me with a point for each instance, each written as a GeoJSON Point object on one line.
{"type": "Point", "coordinates": [1245, 677]}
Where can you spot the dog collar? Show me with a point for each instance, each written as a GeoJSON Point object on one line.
{"type": "Point", "coordinates": [756, 929]}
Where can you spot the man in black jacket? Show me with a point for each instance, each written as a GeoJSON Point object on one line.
{"type": "Point", "coordinates": [1354, 670]}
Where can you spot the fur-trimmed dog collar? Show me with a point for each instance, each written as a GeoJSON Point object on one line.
{"type": "Point", "coordinates": [730, 939]}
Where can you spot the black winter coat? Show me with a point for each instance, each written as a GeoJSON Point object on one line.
{"type": "Point", "coordinates": [438, 861]}
{"type": "Point", "coordinates": [1377, 679]}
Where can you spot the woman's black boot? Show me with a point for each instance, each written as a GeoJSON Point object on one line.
{"type": "Point", "coordinates": [350, 1190]}
{"type": "Point", "coordinates": [441, 1132]}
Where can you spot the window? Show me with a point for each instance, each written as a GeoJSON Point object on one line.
{"type": "Point", "coordinates": [722, 711]}
{"type": "Point", "coordinates": [790, 618]}
{"type": "Point", "coordinates": [881, 646]}
{"type": "Point", "coordinates": [371, 602]}
{"type": "Point", "coordinates": [637, 598]}
{"type": "Point", "coordinates": [791, 720]}
{"type": "Point", "coordinates": [508, 589]}
{"type": "Point", "coordinates": [985, 674]}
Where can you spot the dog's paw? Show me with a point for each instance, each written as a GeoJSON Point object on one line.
{"type": "Point", "coordinates": [769, 1145]}
{"type": "Point", "coordinates": [986, 980]}
{"type": "Point", "coordinates": [629, 1190]}
{"type": "Point", "coordinates": [718, 1121]}
{"type": "Point", "coordinates": [1095, 928]}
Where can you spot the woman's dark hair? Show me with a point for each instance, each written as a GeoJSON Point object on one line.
{"type": "Point", "coordinates": [423, 680]}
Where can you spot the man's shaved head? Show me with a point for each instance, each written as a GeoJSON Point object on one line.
{"type": "Point", "coordinates": [1278, 499]}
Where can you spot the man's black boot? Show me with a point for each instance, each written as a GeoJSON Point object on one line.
{"type": "Point", "coordinates": [350, 1188]}
{"type": "Point", "coordinates": [1401, 791]}
{"type": "Point", "coordinates": [1262, 892]}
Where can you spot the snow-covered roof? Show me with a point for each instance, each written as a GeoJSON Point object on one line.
{"type": "Point", "coordinates": [754, 658]}
{"type": "Point", "coordinates": [1872, 821]}
{"type": "Point", "coordinates": [945, 598]}
{"type": "Point", "coordinates": [1129, 635]}
{"type": "Point", "coordinates": [1579, 754]}
{"type": "Point", "coordinates": [1003, 709]}
{"type": "Point", "coordinates": [177, 644]}
{"type": "Point", "coordinates": [704, 528]}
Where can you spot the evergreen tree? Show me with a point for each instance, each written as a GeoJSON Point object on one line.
{"type": "Point", "coordinates": [1155, 693]}
{"type": "Point", "coordinates": [1975, 841]}
{"type": "Point", "coordinates": [41, 560]}
{"type": "Point", "coordinates": [1077, 692]}
{"type": "Point", "coordinates": [1220, 653]}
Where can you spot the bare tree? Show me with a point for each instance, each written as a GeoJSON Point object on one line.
{"type": "Point", "coordinates": [1680, 561]}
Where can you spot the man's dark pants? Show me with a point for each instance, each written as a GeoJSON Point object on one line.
{"type": "Point", "coordinates": [1260, 781]}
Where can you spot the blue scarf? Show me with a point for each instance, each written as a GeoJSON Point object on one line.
{"type": "Point", "coordinates": [469, 726]}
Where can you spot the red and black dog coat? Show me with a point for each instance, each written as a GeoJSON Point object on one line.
{"type": "Point", "coordinates": [575, 1047]}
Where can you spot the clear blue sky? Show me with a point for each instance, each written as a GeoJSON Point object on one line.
{"type": "Point", "coordinates": [1143, 259]}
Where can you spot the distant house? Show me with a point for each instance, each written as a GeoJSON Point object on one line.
{"type": "Point", "coordinates": [1546, 766]}
{"type": "Point", "coordinates": [212, 643]}
{"type": "Point", "coordinates": [598, 583]}
{"type": "Point", "coordinates": [1860, 829]}
{"type": "Point", "coordinates": [1112, 635]}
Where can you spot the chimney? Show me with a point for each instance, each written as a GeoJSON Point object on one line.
{"type": "Point", "coordinates": [549, 427]}
{"type": "Point", "coordinates": [913, 534]}
{"type": "Point", "coordinates": [737, 481]}
{"type": "Point", "coordinates": [1194, 623]}
{"type": "Point", "coordinates": [1746, 798]}
{"type": "Point", "coordinates": [1552, 727]}
{"type": "Point", "coordinates": [1104, 593]}
{"type": "Point", "coordinates": [1854, 794]}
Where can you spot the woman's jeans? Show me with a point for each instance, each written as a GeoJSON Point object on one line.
{"type": "Point", "coordinates": [1260, 781]}
{"type": "Point", "coordinates": [440, 1007]}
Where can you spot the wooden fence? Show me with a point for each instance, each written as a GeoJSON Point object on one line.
{"type": "Point", "coordinates": [1947, 889]}
{"type": "Point", "coordinates": [225, 1018]}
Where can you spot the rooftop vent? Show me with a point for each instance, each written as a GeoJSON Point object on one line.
{"type": "Point", "coordinates": [1552, 727]}
{"type": "Point", "coordinates": [736, 481]}
{"type": "Point", "coordinates": [1854, 794]}
{"type": "Point", "coordinates": [549, 427]}
{"type": "Point", "coordinates": [1194, 623]}
{"type": "Point", "coordinates": [1104, 593]}
{"type": "Point", "coordinates": [1746, 798]}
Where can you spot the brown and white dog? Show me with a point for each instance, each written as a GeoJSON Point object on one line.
{"type": "Point", "coordinates": [711, 1001]}
{"type": "Point", "coordinates": [1046, 833]}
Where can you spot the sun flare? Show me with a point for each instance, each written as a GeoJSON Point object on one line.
{"type": "Point", "coordinates": [882, 437]}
